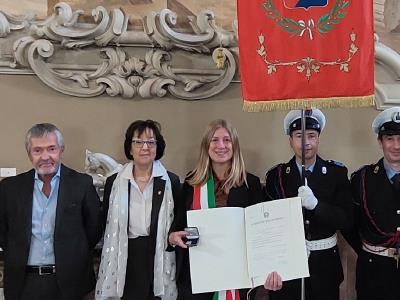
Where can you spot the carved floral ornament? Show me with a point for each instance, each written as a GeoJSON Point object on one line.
{"type": "Point", "coordinates": [129, 62]}
{"type": "Point", "coordinates": [108, 56]}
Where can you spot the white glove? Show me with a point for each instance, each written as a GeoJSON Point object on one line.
{"type": "Point", "coordinates": [308, 200]}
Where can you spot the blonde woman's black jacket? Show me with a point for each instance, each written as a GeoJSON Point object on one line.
{"type": "Point", "coordinates": [242, 196]}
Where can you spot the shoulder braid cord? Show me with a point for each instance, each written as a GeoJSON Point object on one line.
{"type": "Point", "coordinates": [283, 194]}
{"type": "Point", "coordinates": [393, 238]}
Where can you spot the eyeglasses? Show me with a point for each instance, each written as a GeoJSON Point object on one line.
{"type": "Point", "coordinates": [140, 143]}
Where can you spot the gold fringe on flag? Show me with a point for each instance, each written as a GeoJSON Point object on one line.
{"type": "Point", "coordinates": [289, 104]}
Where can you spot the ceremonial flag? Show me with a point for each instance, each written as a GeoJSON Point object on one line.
{"type": "Point", "coordinates": [306, 53]}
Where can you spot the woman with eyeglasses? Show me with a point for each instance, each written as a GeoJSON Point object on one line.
{"type": "Point", "coordinates": [139, 203]}
{"type": "Point", "coordinates": [221, 169]}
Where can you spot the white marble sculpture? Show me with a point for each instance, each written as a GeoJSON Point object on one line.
{"type": "Point", "coordinates": [100, 166]}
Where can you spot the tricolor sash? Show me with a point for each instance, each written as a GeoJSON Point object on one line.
{"type": "Point", "coordinates": [203, 198]}
{"type": "Point", "coordinates": [226, 295]}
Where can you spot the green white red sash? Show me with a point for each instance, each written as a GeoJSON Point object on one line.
{"type": "Point", "coordinates": [203, 198]}
{"type": "Point", "coordinates": [226, 295]}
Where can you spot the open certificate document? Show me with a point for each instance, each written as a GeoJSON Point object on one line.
{"type": "Point", "coordinates": [238, 247]}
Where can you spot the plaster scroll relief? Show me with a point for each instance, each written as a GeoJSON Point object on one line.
{"type": "Point", "coordinates": [392, 15]}
{"type": "Point", "coordinates": [387, 49]}
{"type": "Point", "coordinates": [105, 56]}
{"type": "Point", "coordinates": [387, 15]}
{"type": "Point", "coordinates": [387, 76]}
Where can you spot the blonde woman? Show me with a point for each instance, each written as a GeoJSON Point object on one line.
{"type": "Point", "coordinates": [220, 166]}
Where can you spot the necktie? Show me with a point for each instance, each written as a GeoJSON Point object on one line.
{"type": "Point", "coordinates": [307, 174]}
{"type": "Point", "coordinates": [396, 181]}
{"type": "Point", "coordinates": [46, 189]}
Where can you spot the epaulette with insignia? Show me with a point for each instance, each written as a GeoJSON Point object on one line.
{"type": "Point", "coordinates": [336, 163]}
{"type": "Point", "coordinates": [373, 167]}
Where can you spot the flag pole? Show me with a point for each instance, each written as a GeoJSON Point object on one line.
{"type": "Point", "coordinates": [303, 150]}
{"type": "Point", "coordinates": [303, 178]}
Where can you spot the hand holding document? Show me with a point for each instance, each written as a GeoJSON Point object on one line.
{"type": "Point", "coordinates": [238, 247]}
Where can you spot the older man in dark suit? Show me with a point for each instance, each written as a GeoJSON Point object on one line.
{"type": "Point", "coordinates": [49, 224]}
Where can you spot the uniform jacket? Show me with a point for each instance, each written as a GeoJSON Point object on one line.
{"type": "Point", "coordinates": [77, 230]}
{"type": "Point", "coordinates": [330, 186]}
{"type": "Point", "coordinates": [377, 217]}
{"type": "Point", "coordinates": [333, 212]}
{"type": "Point", "coordinates": [374, 194]}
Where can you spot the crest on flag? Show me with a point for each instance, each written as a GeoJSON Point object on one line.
{"type": "Point", "coordinates": [320, 24]}
{"type": "Point", "coordinates": [304, 3]}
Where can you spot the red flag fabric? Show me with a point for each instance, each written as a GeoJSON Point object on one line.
{"type": "Point", "coordinates": [306, 53]}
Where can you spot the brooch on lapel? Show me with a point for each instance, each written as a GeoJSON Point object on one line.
{"type": "Point", "coordinates": [324, 171]}
{"type": "Point", "coordinates": [287, 170]}
{"type": "Point", "coordinates": [376, 169]}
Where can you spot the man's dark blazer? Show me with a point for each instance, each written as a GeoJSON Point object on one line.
{"type": "Point", "coordinates": [242, 196]}
{"type": "Point", "coordinates": [77, 230]}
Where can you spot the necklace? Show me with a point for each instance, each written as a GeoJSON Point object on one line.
{"type": "Point", "coordinates": [142, 179]}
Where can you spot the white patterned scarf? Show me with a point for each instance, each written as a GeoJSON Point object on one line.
{"type": "Point", "coordinates": [114, 256]}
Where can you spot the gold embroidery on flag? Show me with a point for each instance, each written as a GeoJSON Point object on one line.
{"type": "Point", "coordinates": [324, 24]}
{"type": "Point", "coordinates": [289, 104]}
{"type": "Point", "coordinates": [307, 65]}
